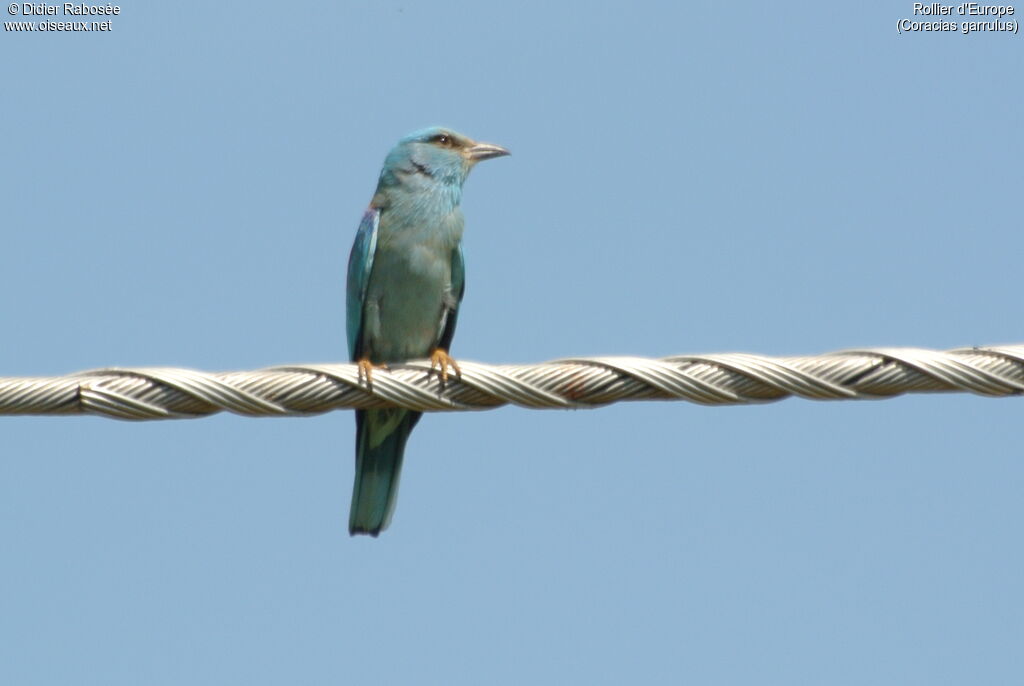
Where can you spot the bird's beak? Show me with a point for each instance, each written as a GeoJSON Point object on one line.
{"type": "Point", "coordinates": [484, 151]}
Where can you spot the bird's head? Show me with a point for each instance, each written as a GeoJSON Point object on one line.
{"type": "Point", "coordinates": [437, 155]}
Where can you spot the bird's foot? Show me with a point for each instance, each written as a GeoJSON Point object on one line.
{"type": "Point", "coordinates": [442, 360]}
{"type": "Point", "coordinates": [366, 370]}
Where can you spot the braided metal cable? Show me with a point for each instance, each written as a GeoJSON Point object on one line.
{"type": "Point", "coordinates": [717, 379]}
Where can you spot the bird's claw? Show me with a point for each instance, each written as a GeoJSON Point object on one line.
{"type": "Point", "coordinates": [366, 370]}
{"type": "Point", "coordinates": [441, 360]}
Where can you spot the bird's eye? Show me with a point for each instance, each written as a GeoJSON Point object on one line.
{"type": "Point", "coordinates": [443, 139]}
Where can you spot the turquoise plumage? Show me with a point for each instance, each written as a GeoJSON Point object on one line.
{"type": "Point", "coordinates": [406, 277]}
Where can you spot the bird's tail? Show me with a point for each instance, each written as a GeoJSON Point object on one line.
{"type": "Point", "coordinates": [380, 444]}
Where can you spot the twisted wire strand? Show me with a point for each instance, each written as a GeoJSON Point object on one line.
{"type": "Point", "coordinates": [715, 379]}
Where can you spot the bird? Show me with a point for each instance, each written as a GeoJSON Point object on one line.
{"type": "Point", "coordinates": [406, 279]}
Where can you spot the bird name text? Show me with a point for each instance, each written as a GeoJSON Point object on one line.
{"type": "Point", "coordinates": [936, 16]}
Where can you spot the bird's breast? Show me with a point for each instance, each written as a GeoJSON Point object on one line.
{"type": "Point", "coordinates": [409, 284]}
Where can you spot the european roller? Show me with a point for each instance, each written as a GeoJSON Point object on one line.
{"type": "Point", "coordinates": [406, 277]}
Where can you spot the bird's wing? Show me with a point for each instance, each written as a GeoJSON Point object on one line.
{"type": "Point", "coordinates": [360, 263]}
{"type": "Point", "coordinates": [458, 288]}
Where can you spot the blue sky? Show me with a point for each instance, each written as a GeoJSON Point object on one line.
{"type": "Point", "coordinates": [773, 178]}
